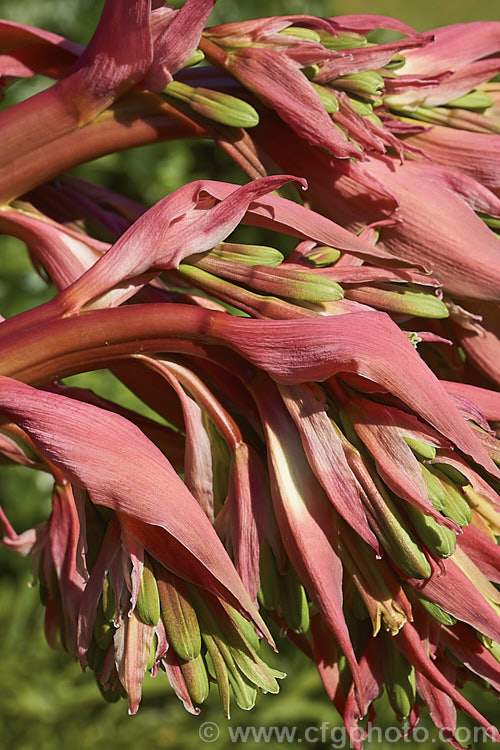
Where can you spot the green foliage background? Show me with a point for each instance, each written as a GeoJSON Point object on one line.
{"type": "Point", "coordinates": [45, 701]}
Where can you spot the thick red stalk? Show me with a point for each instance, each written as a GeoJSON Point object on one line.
{"type": "Point", "coordinates": [39, 353]}
{"type": "Point", "coordinates": [41, 137]}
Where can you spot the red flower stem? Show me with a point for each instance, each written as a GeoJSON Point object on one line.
{"type": "Point", "coordinates": [43, 352]}
{"type": "Point", "coordinates": [213, 53]}
{"type": "Point", "coordinates": [41, 137]}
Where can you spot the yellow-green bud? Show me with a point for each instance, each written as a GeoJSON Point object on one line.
{"type": "Point", "coordinates": [301, 33]}
{"type": "Point", "coordinates": [343, 41]}
{"type": "Point", "coordinates": [395, 536]}
{"type": "Point", "coordinates": [96, 656]}
{"type": "Point", "coordinates": [399, 679]}
{"type": "Point", "coordinates": [103, 628]}
{"type": "Point", "coordinates": [195, 676]}
{"type": "Point", "coordinates": [215, 660]}
{"type": "Point", "coordinates": [246, 628]}
{"type": "Point", "coordinates": [349, 430]}
{"type": "Point", "coordinates": [492, 646]}
{"type": "Point", "coordinates": [399, 299]}
{"type": "Point", "coordinates": [269, 591]}
{"type": "Point", "coordinates": [249, 255]}
{"type": "Point", "coordinates": [367, 82]}
{"type": "Point", "coordinates": [323, 256]}
{"type": "Point", "coordinates": [310, 71]}
{"type": "Point", "coordinates": [491, 221]}
{"type": "Point", "coordinates": [294, 603]}
{"type": "Point", "coordinates": [361, 107]}
{"type": "Point", "coordinates": [148, 600]}
{"type": "Point", "coordinates": [152, 654]}
{"type": "Point", "coordinates": [397, 62]}
{"type": "Point", "coordinates": [475, 100]}
{"type": "Point", "coordinates": [421, 449]}
{"type": "Point", "coordinates": [244, 692]}
{"type": "Point", "coordinates": [437, 495]}
{"type": "Point", "coordinates": [178, 615]}
{"type": "Point", "coordinates": [435, 610]}
{"type": "Point", "coordinates": [452, 473]}
{"type": "Point", "coordinates": [195, 58]}
{"type": "Point", "coordinates": [108, 601]}
{"type": "Point", "coordinates": [456, 506]}
{"type": "Point", "coordinates": [110, 695]}
{"type": "Point", "coordinates": [215, 105]}
{"type": "Point", "coordinates": [328, 98]}
{"type": "Point", "coordinates": [438, 539]}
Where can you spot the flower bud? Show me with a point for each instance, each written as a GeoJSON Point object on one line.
{"type": "Point", "coordinates": [234, 660]}
{"type": "Point", "coordinates": [483, 506]}
{"type": "Point", "coordinates": [323, 256]}
{"type": "Point", "coordinates": [178, 615]}
{"type": "Point", "coordinates": [437, 613]}
{"type": "Point", "coordinates": [148, 601]}
{"type": "Point", "coordinates": [269, 591]}
{"type": "Point", "coordinates": [195, 676]}
{"type": "Point", "coordinates": [310, 71]}
{"type": "Point", "coordinates": [108, 601]}
{"type": "Point", "coordinates": [462, 119]}
{"type": "Point", "coordinates": [421, 449]}
{"type": "Point", "coordinates": [289, 282]}
{"type": "Point", "coordinates": [367, 82]}
{"type": "Point", "coordinates": [452, 473]}
{"type": "Point", "coordinates": [219, 670]}
{"type": "Point", "coordinates": [363, 108]}
{"type": "Point", "coordinates": [394, 535]}
{"type": "Point", "coordinates": [438, 539]}
{"type": "Point", "coordinates": [437, 494]}
{"type": "Point", "coordinates": [343, 41]}
{"type": "Point", "coordinates": [300, 32]}
{"type": "Point", "coordinates": [215, 105]}
{"type": "Point", "coordinates": [397, 62]}
{"type": "Point", "coordinates": [195, 58]}
{"type": "Point", "coordinates": [399, 681]}
{"type": "Point", "coordinates": [330, 101]}
{"type": "Point", "coordinates": [455, 505]}
{"type": "Point", "coordinates": [398, 299]}
{"type": "Point", "coordinates": [294, 603]}
{"type": "Point", "coordinates": [152, 654]}
{"type": "Point", "coordinates": [492, 222]}
{"type": "Point", "coordinates": [249, 255]}
{"type": "Point", "coordinates": [473, 100]}
{"type": "Point", "coordinates": [103, 628]}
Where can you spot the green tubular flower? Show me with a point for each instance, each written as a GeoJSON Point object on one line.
{"type": "Point", "coordinates": [399, 680]}
{"type": "Point", "coordinates": [235, 661]}
{"type": "Point", "coordinates": [178, 616]}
